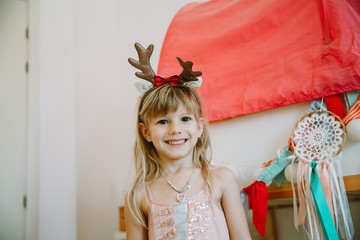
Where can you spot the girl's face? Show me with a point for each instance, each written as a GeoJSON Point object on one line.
{"type": "Point", "coordinates": [173, 134]}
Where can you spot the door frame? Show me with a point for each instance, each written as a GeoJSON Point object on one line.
{"type": "Point", "coordinates": [32, 183]}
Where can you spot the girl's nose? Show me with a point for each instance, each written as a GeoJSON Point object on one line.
{"type": "Point", "coordinates": [174, 128]}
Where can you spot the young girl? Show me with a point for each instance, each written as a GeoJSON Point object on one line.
{"type": "Point", "coordinates": [177, 194]}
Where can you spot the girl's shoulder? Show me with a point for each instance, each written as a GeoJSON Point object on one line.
{"type": "Point", "coordinates": [222, 177]}
{"type": "Point", "coordinates": [223, 172]}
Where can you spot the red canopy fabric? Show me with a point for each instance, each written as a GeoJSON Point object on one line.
{"type": "Point", "coordinates": [261, 54]}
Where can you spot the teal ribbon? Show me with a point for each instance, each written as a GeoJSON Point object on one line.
{"type": "Point", "coordinates": [326, 220]}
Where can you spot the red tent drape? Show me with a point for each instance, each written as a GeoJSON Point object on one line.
{"type": "Point", "coordinates": [260, 54]}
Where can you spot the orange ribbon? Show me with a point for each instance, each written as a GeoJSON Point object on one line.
{"type": "Point", "coordinates": [325, 183]}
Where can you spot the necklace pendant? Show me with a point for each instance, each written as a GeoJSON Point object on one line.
{"type": "Point", "coordinates": [180, 197]}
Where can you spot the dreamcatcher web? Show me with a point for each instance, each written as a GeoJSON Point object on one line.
{"type": "Point", "coordinates": [318, 135]}
{"type": "Point", "coordinates": [317, 139]}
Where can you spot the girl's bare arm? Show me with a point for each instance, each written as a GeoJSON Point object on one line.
{"type": "Point", "coordinates": [233, 208]}
{"type": "Point", "coordinates": [134, 229]}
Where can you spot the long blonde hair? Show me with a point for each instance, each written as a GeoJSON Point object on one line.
{"type": "Point", "coordinates": [161, 100]}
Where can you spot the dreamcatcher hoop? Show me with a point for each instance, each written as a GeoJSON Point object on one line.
{"type": "Point", "coordinates": [318, 135]}
{"type": "Point", "coordinates": [317, 140]}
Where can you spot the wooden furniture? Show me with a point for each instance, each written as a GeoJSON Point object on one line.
{"type": "Point", "coordinates": [121, 234]}
{"type": "Point", "coordinates": [282, 197]}
{"type": "Point", "coordinates": [122, 226]}
{"type": "Point", "coordinates": [352, 184]}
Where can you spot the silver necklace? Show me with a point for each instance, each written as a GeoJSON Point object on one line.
{"type": "Point", "coordinates": [180, 197]}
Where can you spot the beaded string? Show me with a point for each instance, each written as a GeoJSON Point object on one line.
{"type": "Point", "coordinates": [180, 197]}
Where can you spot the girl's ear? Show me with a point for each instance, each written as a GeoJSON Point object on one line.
{"type": "Point", "coordinates": [145, 131]}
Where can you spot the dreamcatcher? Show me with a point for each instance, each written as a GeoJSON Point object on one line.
{"type": "Point", "coordinates": [317, 141]}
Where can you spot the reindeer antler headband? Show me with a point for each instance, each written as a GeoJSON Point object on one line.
{"type": "Point", "coordinates": [187, 76]}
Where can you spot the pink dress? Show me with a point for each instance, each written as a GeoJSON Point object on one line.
{"type": "Point", "coordinates": [196, 218]}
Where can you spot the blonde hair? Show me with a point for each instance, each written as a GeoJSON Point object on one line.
{"type": "Point", "coordinates": [162, 100]}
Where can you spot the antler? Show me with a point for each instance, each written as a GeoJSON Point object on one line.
{"type": "Point", "coordinates": [187, 75]}
{"type": "Point", "coordinates": [144, 62]}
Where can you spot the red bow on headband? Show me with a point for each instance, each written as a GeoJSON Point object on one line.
{"type": "Point", "coordinates": [173, 80]}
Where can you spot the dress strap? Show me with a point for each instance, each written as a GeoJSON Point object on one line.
{"type": "Point", "coordinates": [148, 191]}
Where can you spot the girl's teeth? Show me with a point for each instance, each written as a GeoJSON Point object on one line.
{"type": "Point", "coordinates": [176, 142]}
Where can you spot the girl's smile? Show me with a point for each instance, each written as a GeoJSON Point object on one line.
{"type": "Point", "coordinates": [173, 134]}
{"type": "Point", "coordinates": [176, 142]}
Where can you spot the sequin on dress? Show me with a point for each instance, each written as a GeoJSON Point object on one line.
{"type": "Point", "coordinates": [196, 218]}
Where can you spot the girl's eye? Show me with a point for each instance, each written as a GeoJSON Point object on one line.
{"type": "Point", "coordinates": [162, 122]}
{"type": "Point", "coordinates": [185, 119]}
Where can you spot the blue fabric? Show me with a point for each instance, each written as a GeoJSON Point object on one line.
{"type": "Point", "coordinates": [245, 202]}
{"type": "Point", "coordinates": [280, 178]}
{"type": "Point", "coordinates": [352, 97]}
{"type": "Point", "coordinates": [317, 105]}
{"type": "Point", "coordinates": [276, 167]}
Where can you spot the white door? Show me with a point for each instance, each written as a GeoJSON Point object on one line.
{"type": "Point", "coordinates": [13, 117]}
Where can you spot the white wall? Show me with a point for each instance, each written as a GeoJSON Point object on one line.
{"type": "Point", "coordinates": [88, 112]}
{"type": "Point", "coordinates": [51, 212]}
